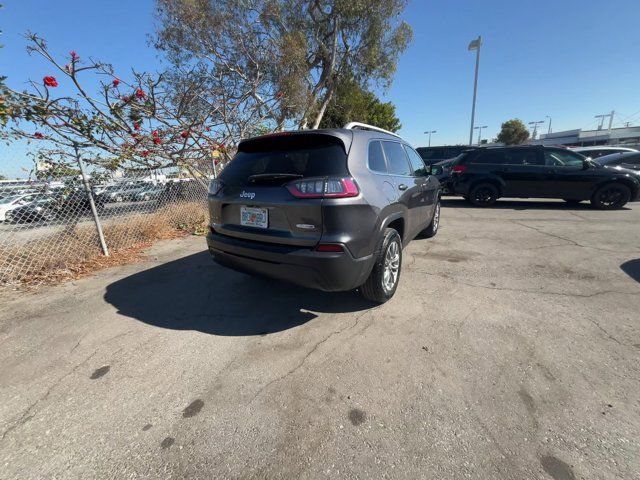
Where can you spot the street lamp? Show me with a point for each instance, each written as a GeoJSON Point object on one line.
{"type": "Point", "coordinates": [474, 45]}
{"type": "Point", "coordinates": [479, 132]}
{"type": "Point", "coordinates": [535, 128]}
{"type": "Point", "coordinates": [429, 133]}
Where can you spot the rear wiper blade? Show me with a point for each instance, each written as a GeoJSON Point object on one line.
{"type": "Point", "coordinates": [273, 176]}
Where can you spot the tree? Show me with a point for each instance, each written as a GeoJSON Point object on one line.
{"type": "Point", "coordinates": [139, 123]}
{"type": "Point", "coordinates": [513, 132]}
{"type": "Point", "coordinates": [278, 62]}
{"type": "Point", "coordinates": [353, 103]}
{"type": "Point", "coordinates": [3, 177]}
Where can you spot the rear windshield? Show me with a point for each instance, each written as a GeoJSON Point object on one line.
{"type": "Point", "coordinates": [305, 155]}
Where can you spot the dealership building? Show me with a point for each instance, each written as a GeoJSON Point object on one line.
{"type": "Point", "coordinates": [625, 136]}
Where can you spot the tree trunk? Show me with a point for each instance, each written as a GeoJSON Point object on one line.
{"type": "Point", "coordinates": [323, 108]}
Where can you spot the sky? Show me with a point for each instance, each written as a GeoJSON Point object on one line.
{"type": "Point", "coordinates": [566, 59]}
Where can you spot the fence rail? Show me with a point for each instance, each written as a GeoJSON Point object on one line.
{"type": "Point", "coordinates": [48, 227]}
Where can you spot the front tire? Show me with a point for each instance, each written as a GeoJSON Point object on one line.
{"type": "Point", "coordinates": [611, 196]}
{"type": "Point", "coordinates": [385, 276]}
{"type": "Point", "coordinates": [483, 195]}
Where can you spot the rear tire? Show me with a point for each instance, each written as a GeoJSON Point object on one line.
{"type": "Point", "coordinates": [611, 196]}
{"type": "Point", "coordinates": [483, 195]}
{"type": "Point", "coordinates": [385, 276]}
{"type": "Point", "coordinates": [432, 229]}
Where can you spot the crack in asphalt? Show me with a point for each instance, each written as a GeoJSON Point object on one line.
{"type": "Point", "coordinates": [571, 242]}
{"type": "Point", "coordinates": [25, 417]}
{"type": "Point", "coordinates": [306, 357]}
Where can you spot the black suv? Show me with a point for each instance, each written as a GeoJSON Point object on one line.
{"type": "Point", "coordinates": [328, 209]}
{"type": "Point", "coordinates": [486, 174]}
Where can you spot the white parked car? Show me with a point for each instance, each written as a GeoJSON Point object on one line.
{"type": "Point", "coordinates": [600, 151]}
{"type": "Point", "coordinates": [9, 203]}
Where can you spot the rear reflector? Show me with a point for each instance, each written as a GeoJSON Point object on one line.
{"type": "Point", "coordinates": [324, 188]}
{"type": "Point", "coordinates": [459, 168]}
{"type": "Point", "coordinates": [329, 247]}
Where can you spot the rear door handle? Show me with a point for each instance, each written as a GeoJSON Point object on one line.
{"type": "Point", "coordinates": [402, 186]}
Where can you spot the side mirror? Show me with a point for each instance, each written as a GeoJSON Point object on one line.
{"type": "Point", "coordinates": [435, 170]}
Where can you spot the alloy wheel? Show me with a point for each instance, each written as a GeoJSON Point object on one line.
{"type": "Point", "coordinates": [391, 266]}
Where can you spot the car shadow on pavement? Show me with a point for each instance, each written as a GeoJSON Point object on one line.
{"type": "Point", "coordinates": [194, 293]}
{"type": "Point", "coordinates": [521, 205]}
{"type": "Point", "coordinates": [632, 268]}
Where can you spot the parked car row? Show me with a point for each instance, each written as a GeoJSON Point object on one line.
{"type": "Point", "coordinates": [41, 207]}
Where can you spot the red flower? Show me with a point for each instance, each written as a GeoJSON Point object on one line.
{"type": "Point", "coordinates": [50, 81]}
{"type": "Point", "coordinates": [216, 161]}
{"type": "Point", "coordinates": [74, 56]}
{"type": "Point", "coordinates": [38, 135]}
{"type": "Point", "coordinates": [157, 140]}
{"type": "Point", "coordinates": [145, 153]}
{"type": "Point", "coordinates": [155, 133]}
{"type": "Point", "coordinates": [279, 95]}
{"type": "Point", "coordinates": [222, 147]}
{"type": "Point", "coordinates": [116, 82]}
{"type": "Point", "coordinates": [208, 129]}
{"type": "Point", "coordinates": [140, 94]}
{"type": "Point", "coordinates": [136, 126]}
{"type": "Point", "coordinates": [184, 134]}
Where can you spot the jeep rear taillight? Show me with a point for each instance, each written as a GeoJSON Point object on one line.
{"type": "Point", "coordinates": [342, 187]}
{"type": "Point", "coordinates": [459, 168]}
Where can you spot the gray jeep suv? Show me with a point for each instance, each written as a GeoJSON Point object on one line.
{"type": "Point", "coordinates": [328, 209]}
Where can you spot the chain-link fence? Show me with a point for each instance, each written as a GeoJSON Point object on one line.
{"type": "Point", "coordinates": [51, 227]}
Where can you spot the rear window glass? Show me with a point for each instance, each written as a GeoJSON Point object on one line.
{"type": "Point", "coordinates": [429, 153]}
{"type": "Point", "coordinates": [523, 157]}
{"type": "Point", "coordinates": [376, 158]}
{"type": "Point", "coordinates": [493, 157]}
{"type": "Point", "coordinates": [397, 158]}
{"type": "Point", "coordinates": [306, 155]}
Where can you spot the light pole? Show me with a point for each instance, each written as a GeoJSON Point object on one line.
{"type": "Point", "coordinates": [429, 132]}
{"type": "Point", "coordinates": [479, 132]}
{"type": "Point", "coordinates": [474, 45]}
{"type": "Point", "coordinates": [535, 128]}
{"type": "Point", "coordinates": [549, 129]}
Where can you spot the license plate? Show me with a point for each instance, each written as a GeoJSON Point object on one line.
{"type": "Point", "coordinates": [254, 217]}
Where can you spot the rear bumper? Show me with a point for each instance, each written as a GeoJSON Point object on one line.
{"type": "Point", "coordinates": [326, 271]}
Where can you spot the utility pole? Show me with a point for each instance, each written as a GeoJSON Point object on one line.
{"type": "Point", "coordinates": [549, 129]}
{"type": "Point", "coordinates": [603, 116]}
{"type": "Point", "coordinates": [474, 45]}
{"type": "Point", "coordinates": [479, 132]}
{"type": "Point", "coordinates": [535, 128]}
{"type": "Point", "coordinates": [611, 119]}
{"type": "Point", "coordinates": [429, 132]}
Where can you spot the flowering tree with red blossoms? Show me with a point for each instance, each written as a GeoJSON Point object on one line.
{"type": "Point", "coordinates": [139, 123]}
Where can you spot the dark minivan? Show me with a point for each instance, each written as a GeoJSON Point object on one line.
{"type": "Point", "coordinates": [484, 175]}
{"type": "Point", "coordinates": [327, 209]}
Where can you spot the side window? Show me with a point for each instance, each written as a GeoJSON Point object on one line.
{"type": "Point", "coordinates": [397, 158]}
{"type": "Point", "coordinates": [523, 157]}
{"type": "Point", "coordinates": [376, 158]}
{"type": "Point", "coordinates": [631, 160]}
{"type": "Point", "coordinates": [419, 170]}
{"type": "Point", "coordinates": [562, 158]}
{"type": "Point", "coordinates": [491, 157]}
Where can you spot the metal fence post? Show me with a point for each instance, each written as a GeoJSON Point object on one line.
{"type": "Point", "coordinates": [94, 211]}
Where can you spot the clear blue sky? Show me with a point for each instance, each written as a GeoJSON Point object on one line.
{"type": "Point", "coordinates": [566, 58]}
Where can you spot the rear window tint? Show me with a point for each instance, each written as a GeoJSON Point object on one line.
{"type": "Point", "coordinates": [376, 158]}
{"type": "Point", "coordinates": [306, 155]}
{"type": "Point", "coordinates": [432, 153]}
{"type": "Point", "coordinates": [396, 158]}
{"type": "Point", "coordinates": [493, 157]}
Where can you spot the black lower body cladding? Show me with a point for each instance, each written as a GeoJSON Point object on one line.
{"type": "Point", "coordinates": [328, 271]}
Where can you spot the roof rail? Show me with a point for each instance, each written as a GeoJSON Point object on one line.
{"type": "Point", "coordinates": [364, 126]}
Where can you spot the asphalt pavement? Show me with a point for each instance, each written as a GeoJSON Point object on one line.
{"type": "Point", "coordinates": [510, 351]}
